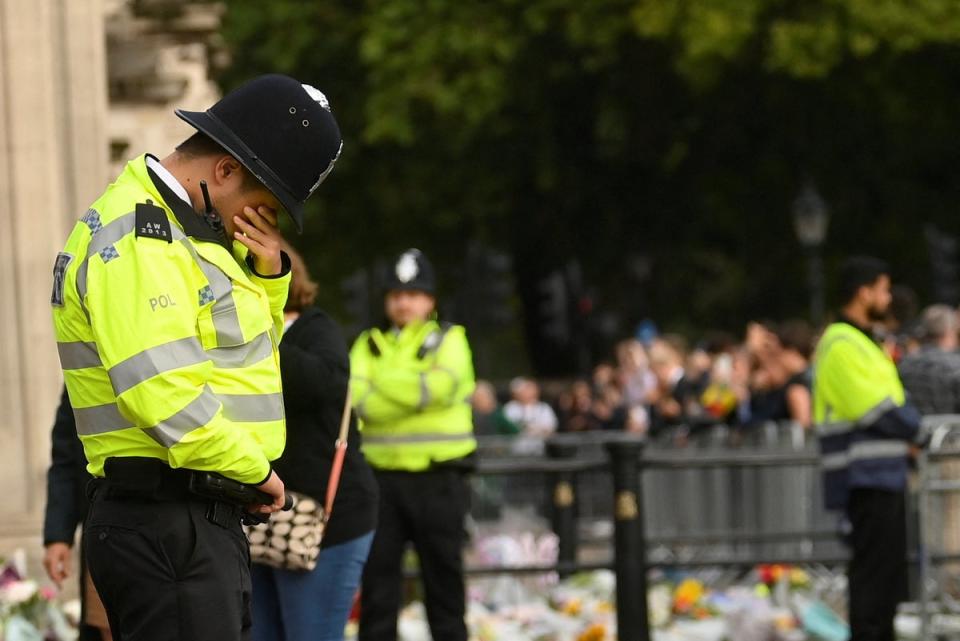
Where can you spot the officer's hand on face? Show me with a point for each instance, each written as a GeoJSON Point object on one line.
{"type": "Point", "coordinates": [274, 487]}
{"type": "Point", "coordinates": [257, 229]}
{"type": "Point", "coordinates": [57, 562]}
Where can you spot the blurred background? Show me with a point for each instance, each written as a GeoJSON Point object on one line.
{"type": "Point", "coordinates": [575, 168]}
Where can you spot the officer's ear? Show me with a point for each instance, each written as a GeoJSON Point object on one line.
{"type": "Point", "coordinates": [228, 172]}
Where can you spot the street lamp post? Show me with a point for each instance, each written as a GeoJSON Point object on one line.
{"type": "Point", "coordinates": [810, 220]}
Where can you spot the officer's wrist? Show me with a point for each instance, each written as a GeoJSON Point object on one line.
{"type": "Point", "coordinates": [267, 477]}
{"type": "Point", "coordinates": [284, 266]}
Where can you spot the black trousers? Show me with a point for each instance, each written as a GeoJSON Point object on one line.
{"type": "Point", "coordinates": [877, 573]}
{"type": "Point", "coordinates": [427, 509]}
{"type": "Point", "coordinates": [86, 632]}
{"type": "Point", "coordinates": [165, 572]}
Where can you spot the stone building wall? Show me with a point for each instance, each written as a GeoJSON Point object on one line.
{"type": "Point", "coordinates": [53, 161]}
{"type": "Point", "coordinates": [84, 86]}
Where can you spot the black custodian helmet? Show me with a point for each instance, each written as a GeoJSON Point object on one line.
{"type": "Point", "coordinates": [282, 131]}
{"type": "Point", "coordinates": [412, 271]}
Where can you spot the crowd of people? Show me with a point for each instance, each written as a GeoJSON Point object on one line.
{"type": "Point", "coordinates": [662, 382]}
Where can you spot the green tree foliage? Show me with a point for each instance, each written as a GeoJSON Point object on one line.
{"type": "Point", "coordinates": [669, 133]}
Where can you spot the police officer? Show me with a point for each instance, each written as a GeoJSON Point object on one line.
{"type": "Point", "coordinates": [411, 384]}
{"type": "Point", "coordinates": [168, 306]}
{"type": "Point", "coordinates": [866, 431]}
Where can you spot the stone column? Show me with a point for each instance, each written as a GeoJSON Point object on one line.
{"type": "Point", "coordinates": [53, 160]}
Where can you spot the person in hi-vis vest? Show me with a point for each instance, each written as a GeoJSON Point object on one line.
{"type": "Point", "coordinates": [866, 430]}
{"type": "Point", "coordinates": [411, 385]}
{"type": "Point", "coordinates": [168, 305]}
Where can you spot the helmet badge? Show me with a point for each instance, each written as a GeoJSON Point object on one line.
{"type": "Point", "coordinates": [317, 96]}
{"type": "Point", "coordinates": [407, 268]}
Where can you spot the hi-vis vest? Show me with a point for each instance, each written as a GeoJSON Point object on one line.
{"type": "Point", "coordinates": [412, 392]}
{"type": "Point", "coordinates": [168, 340]}
{"type": "Point", "coordinates": [864, 427]}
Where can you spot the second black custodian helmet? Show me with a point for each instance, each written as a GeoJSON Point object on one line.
{"type": "Point", "coordinates": [411, 271]}
{"type": "Point", "coordinates": [282, 131]}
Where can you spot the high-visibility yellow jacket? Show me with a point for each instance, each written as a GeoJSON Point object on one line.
{"type": "Point", "coordinates": [864, 424]}
{"type": "Point", "coordinates": [412, 392]}
{"type": "Point", "coordinates": [168, 339]}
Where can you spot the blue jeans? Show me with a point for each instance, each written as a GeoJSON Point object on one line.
{"type": "Point", "coordinates": [309, 606]}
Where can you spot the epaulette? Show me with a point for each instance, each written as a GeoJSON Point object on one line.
{"type": "Point", "coordinates": [432, 342]}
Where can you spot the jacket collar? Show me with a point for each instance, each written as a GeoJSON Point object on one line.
{"type": "Point", "coordinates": [863, 330]}
{"type": "Point", "coordinates": [190, 221]}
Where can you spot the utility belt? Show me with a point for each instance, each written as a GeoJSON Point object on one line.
{"type": "Point", "coordinates": [463, 465]}
{"type": "Point", "coordinates": [142, 478]}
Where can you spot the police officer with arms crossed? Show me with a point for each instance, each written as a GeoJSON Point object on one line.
{"type": "Point", "coordinates": [168, 307]}
{"type": "Point", "coordinates": [411, 384]}
{"type": "Point", "coordinates": [866, 430]}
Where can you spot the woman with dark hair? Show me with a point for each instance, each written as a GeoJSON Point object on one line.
{"type": "Point", "coordinates": [315, 605]}
{"type": "Point", "coordinates": [796, 341]}
{"type": "Point", "coordinates": [781, 377]}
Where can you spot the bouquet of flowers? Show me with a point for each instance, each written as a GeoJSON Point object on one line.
{"type": "Point", "coordinates": [29, 612]}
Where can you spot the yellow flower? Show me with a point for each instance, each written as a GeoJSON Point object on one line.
{"type": "Point", "coordinates": [799, 578]}
{"type": "Point", "coordinates": [572, 607]}
{"type": "Point", "coordinates": [687, 595]}
{"type": "Point", "coordinates": [604, 607]}
{"type": "Point", "coordinates": [595, 632]}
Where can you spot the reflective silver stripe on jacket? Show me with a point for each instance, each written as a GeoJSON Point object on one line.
{"type": "Point", "coordinates": [249, 408]}
{"type": "Point", "coordinates": [195, 415]}
{"type": "Point", "coordinates": [100, 419]}
{"type": "Point", "coordinates": [225, 318]}
{"type": "Point", "coordinates": [426, 397]}
{"type": "Point", "coordinates": [370, 439]}
{"type": "Point", "coordinates": [183, 353]}
{"type": "Point", "coordinates": [868, 419]}
{"type": "Point", "coordinates": [242, 355]}
{"type": "Point", "coordinates": [78, 355]}
{"type": "Point", "coordinates": [252, 408]}
{"type": "Point", "coordinates": [156, 360]}
{"type": "Point", "coordinates": [424, 392]}
{"type": "Point", "coordinates": [833, 429]}
{"type": "Point", "coordinates": [102, 238]}
{"type": "Point", "coordinates": [226, 321]}
{"type": "Point", "coordinates": [878, 410]}
{"type": "Point", "coordinates": [865, 450]}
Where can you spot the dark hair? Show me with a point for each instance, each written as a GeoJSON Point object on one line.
{"type": "Point", "coordinates": [903, 304]}
{"type": "Point", "coordinates": [796, 335]}
{"type": "Point", "coordinates": [717, 342]}
{"type": "Point", "coordinates": [200, 145]}
{"type": "Point", "coordinates": [857, 272]}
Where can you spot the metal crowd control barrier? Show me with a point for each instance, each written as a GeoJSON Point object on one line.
{"type": "Point", "coordinates": [727, 494]}
{"type": "Point", "coordinates": [764, 502]}
{"type": "Point", "coordinates": [726, 499]}
{"type": "Point", "coordinates": [722, 499]}
{"type": "Point", "coordinates": [938, 529]}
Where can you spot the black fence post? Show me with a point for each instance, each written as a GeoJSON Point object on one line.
{"type": "Point", "coordinates": [563, 504]}
{"type": "Point", "coordinates": [630, 553]}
